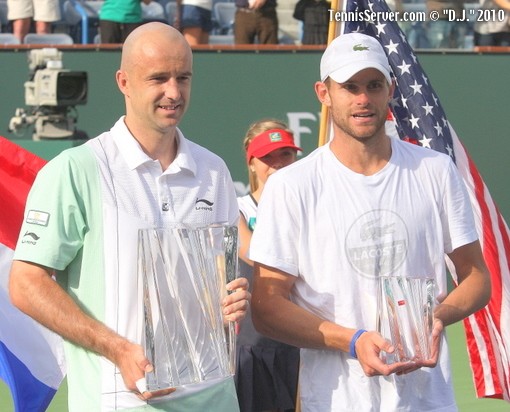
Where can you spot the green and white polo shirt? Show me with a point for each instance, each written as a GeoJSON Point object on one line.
{"type": "Point", "coordinates": [82, 218]}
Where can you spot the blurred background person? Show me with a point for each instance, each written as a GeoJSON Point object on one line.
{"type": "Point", "coordinates": [495, 30]}
{"type": "Point", "coordinates": [118, 18]}
{"type": "Point", "coordinates": [23, 12]}
{"type": "Point", "coordinates": [266, 370]}
{"type": "Point", "coordinates": [256, 21]}
{"type": "Point", "coordinates": [446, 32]}
{"type": "Point", "coordinates": [315, 17]}
{"type": "Point", "coordinates": [194, 20]}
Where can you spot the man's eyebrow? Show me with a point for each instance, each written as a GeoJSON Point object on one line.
{"type": "Point", "coordinates": [166, 73]}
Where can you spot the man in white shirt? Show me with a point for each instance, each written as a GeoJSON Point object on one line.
{"type": "Point", "coordinates": [328, 226]}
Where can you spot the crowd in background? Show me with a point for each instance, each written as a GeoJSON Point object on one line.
{"type": "Point", "coordinates": [461, 24]}
{"type": "Point", "coordinates": [262, 21]}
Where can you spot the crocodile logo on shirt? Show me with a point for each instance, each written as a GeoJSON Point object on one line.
{"type": "Point", "coordinates": [359, 47]}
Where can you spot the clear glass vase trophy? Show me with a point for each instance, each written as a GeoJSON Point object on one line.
{"type": "Point", "coordinates": [184, 273]}
{"type": "Point", "coordinates": [405, 316]}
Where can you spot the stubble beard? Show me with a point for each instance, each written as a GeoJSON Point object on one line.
{"type": "Point", "coordinates": [372, 133]}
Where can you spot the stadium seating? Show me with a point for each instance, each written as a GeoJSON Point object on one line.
{"type": "Point", "coordinates": [153, 11]}
{"type": "Point", "coordinates": [82, 16]}
{"type": "Point", "coordinates": [50, 38]}
{"type": "Point", "coordinates": [224, 13]}
{"type": "Point", "coordinates": [8, 38]}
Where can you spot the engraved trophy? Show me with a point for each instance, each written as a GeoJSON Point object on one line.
{"type": "Point", "coordinates": [184, 272]}
{"type": "Point", "coordinates": [405, 316]}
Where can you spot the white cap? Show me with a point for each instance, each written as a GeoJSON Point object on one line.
{"type": "Point", "coordinates": [350, 53]}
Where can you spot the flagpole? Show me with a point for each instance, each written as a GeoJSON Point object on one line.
{"type": "Point", "coordinates": [324, 120]}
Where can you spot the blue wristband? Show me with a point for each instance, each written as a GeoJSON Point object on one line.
{"type": "Point", "coordinates": [352, 345]}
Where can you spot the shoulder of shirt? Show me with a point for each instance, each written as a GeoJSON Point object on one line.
{"type": "Point", "coordinates": [245, 200]}
{"type": "Point", "coordinates": [303, 164]}
{"type": "Point", "coordinates": [421, 152]}
{"type": "Point", "coordinates": [74, 157]}
{"type": "Point", "coordinates": [300, 174]}
{"type": "Point", "coordinates": [201, 153]}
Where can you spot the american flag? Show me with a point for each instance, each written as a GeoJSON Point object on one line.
{"type": "Point", "coordinates": [419, 118]}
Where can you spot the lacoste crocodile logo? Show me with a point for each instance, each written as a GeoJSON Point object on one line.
{"type": "Point", "coordinates": [359, 47]}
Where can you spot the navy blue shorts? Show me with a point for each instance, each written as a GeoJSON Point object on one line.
{"type": "Point", "coordinates": [194, 16]}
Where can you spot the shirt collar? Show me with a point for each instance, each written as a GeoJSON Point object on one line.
{"type": "Point", "coordinates": [134, 155]}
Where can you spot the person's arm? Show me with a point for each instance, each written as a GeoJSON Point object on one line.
{"type": "Point", "coordinates": [34, 292]}
{"type": "Point", "coordinates": [474, 287]}
{"type": "Point", "coordinates": [178, 13]}
{"type": "Point", "coordinates": [257, 4]}
{"type": "Point", "coordinates": [277, 317]}
{"type": "Point", "coordinates": [504, 4]}
{"type": "Point", "coordinates": [244, 240]}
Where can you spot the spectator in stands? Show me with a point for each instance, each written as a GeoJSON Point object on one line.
{"type": "Point", "coordinates": [256, 21]}
{"type": "Point", "coordinates": [494, 31]}
{"type": "Point", "coordinates": [315, 17]}
{"type": "Point", "coordinates": [118, 18]}
{"type": "Point", "coordinates": [194, 20]}
{"type": "Point", "coordinates": [446, 33]}
{"type": "Point", "coordinates": [42, 12]}
{"type": "Point", "coordinates": [266, 370]}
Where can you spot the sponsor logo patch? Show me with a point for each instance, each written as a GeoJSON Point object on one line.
{"type": "Point", "coordinates": [360, 47]}
{"type": "Point", "coordinates": [275, 137]}
{"type": "Point", "coordinates": [30, 237]}
{"type": "Point", "coordinates": [206, 204]}
{"type": "Point", "coordinates": [36, 217]}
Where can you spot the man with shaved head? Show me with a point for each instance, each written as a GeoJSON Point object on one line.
{"type": "Point", "coordinates": [83, 215]}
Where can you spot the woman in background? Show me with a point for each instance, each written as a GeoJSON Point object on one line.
{"type": "Point", "coordinates": [194, 20]}
{"type": "Point", "coordinates": [494, 30]}
{"type": "Point", "coordinates": [266, 370]}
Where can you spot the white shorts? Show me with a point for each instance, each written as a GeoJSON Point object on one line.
{"type": "Point", "coordinates": [39, 10]}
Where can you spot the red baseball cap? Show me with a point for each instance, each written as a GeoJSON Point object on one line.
{"type": "Point", "coordinates": [269, 141]}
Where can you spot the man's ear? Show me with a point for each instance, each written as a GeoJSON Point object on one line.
{"type": "Point", "coordinates": [392, 90]}
{"type": "Point", "coordinates": [122, 81]}
{"type": "Point", "coordinates": [321, 90]}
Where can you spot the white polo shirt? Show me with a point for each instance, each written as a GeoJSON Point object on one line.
{"type": "Point", "coordinates": [85, 209]}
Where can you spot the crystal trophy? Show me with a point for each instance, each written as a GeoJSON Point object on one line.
{"type": "Point", "coordinates": [405, 316]}
{"type": "Point", "coordinates": [184, 272]}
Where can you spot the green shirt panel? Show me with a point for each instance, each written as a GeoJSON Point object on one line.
{"type": "Point", "coordinates": [67, 198]}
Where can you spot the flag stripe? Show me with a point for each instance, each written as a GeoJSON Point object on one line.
{"type": "Point", "coordinates": [17, 173]}
{"type": "Point", "coordinates": [31, 357]}
{"type": "Point", "coordinates": [491, 375]}
{"type": "Point", "coordinates": [28, 393]}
